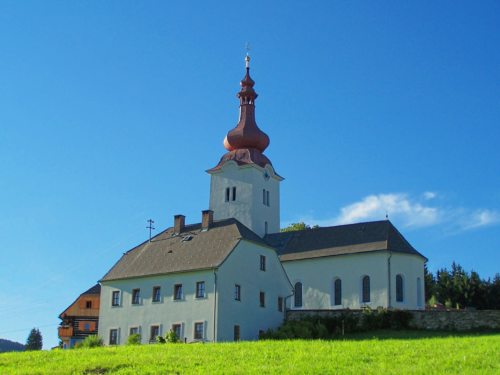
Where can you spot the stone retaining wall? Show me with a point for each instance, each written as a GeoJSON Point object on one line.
{"type": "Point", "coordinates": [454, 320]}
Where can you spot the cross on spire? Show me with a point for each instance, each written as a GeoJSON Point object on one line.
{"type": "Point", "coordinates": [150, 227]}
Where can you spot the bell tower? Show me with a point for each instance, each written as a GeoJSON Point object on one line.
{"type": "Point", "coordinates": [244, 184]}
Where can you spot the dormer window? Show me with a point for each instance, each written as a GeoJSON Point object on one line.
{"type": "Point", "coordinates": [228, 191]}
{"type": "Point", "coordinates": [234, 193]}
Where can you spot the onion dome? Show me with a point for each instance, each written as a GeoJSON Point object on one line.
{"type": "Point", "coordinates": [246, 134]}
{"type": "Point", "coordinates": [246, 142]}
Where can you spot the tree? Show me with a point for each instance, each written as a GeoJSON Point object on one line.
{"type": "Point", "coordinates": [34, 341]}
{"type": "Point", "coordinates": [430, 284]}
{"type": "Point", "coordinates": [298, 226]}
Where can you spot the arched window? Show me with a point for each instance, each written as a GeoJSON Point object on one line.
{"type": "Point", "coordinates": [399, 288]}
{"type": "Point", "coordinates": [337, 292]}
{"type": "Point", "coordinates": [298, 294]}
{"type": "Point", "coordinates": [366, 289]}
{"type": "Point", "coordinates": [419, 292]}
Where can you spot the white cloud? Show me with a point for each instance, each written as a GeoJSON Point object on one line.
{"type": "Point", "coordinates": [480, 218]}
{"type": "Point", "coordinates": [410, 212]}
{"type": "Point", "coordinates": [428, 195]}
{"type": "Point", "coordinates": [399, 206]}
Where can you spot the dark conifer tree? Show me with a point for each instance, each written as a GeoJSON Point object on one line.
{"type": "Point", "coordinates": [34, 341]}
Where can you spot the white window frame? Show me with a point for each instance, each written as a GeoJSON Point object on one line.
{"type": "Point", "coordinates": [237, 287]}
{"type": "Point", "coordinates": [202, 330]}
{"type": "Point", "coordinates": [402, 288]}
{"type": "Point", "coordinates": [181, 297]}
{"type": "Point", "coordinates": [362, 301]}
{"type": "Point", "coordinates": [301, 294]}
{"type": "Point", "coordinates": [159, 332]}
{"type": "Point", "coordinates": [117, 329]}
{"type": "Point", "coordinates": [204, 295]}
{"type": "Point", "coordinates": [138, 301]}
{"type": "Point", "coordinates": [153, 294]}
{"type": "Point", "coordinates": [118, 304]}
{"type": "Point", "coordinates": [181, 325]}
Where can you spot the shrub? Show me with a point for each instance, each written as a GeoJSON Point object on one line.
{"type": "Point", "coordinates": [92, 341]}
{"type": "Point", "coordinates": [172, 337]}
{"type": "Point", "coordinates": [160, 339]}
{"type": "Point", "coordinates": [316, 327]}
{"type": "Point", "coordinates": [134, 339]}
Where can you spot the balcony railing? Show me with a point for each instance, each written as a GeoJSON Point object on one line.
{"type": "Point", "coordinates": [65, 331]}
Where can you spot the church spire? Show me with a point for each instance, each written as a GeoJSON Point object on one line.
{"type": "Point", "coordinates": [246, 142]}
{"type": "Point", "coordinates": [246, 134]}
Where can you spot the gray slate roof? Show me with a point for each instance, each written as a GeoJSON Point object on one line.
{"type": "Point", "coordinates": [96, 289]}
{"type": "Point", "coordinates": [168, 253]}
{"type": "Point", "coordinates": [340, 240]}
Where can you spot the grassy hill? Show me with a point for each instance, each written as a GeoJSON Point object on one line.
{"type": "Point", "coordinates": [407, 353]}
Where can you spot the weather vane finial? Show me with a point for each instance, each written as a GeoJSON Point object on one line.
{"type": "Point", "coordinates": [247, 57]}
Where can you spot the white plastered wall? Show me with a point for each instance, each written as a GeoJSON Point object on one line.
{"type": "Point", "coordinates": [168, 311]}
{"type": "Point", "coordinates": [411, 268]}
{"type": "Point", "coordinates": [248, 208]}
{"type": "Point", "coordinates": [317, 277]}
{"type": "Point", "coordinates": [243, 268]}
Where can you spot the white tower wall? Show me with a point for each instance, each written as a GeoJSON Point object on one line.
{"type": "Point", "coordinates": [249, 205]}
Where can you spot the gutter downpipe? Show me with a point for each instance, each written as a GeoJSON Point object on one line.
{"type": "Point", "coordinates": [215, 305]}
{"type": "Point", "coordinates": [389, 280]}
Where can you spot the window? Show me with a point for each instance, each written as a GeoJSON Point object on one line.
{"type": "Point", "coordinates": [88, 304]}
{"type": "Point", "coordinates": [234, 193]}
{"type": "Point", "coordinates": [265, 197]}
{"type": "Point", "coordinates": [337, 292]}
{"type": "Point", "coordinates": [136, 295]}
{"type": "Point", "coordinates": [177, 291]}
{"type": "Point", "coordinates": [262, 299]}
{"type": "Point", "coordinates": [113, 336]}
{"type": "Point", "coordinates": [86, 327]}
{"type": "Point", "coordinates": [262, 263]}
{"type": "Point", "coordinates": [399, 288]}
{"type": "Point", "coordinates": [236, 333]}
{"type": "Point", "coordinates": [156, 294]}
{"type": "Point", "coordinates": [228, 190]}
{"type": "Point", "coordinates": [134, 331]}
{"type": "Point", "coordinates": [419, 292]}
{"type": "Point", "coordinates": [237, 292]}
{"type": "Point", "coordinates": [154, 333]}
{"type": "Point", "coordinates": [177, 328]}
{"type": "Point", "coordinates": [198, 331]}
{"type": "Point", "coordinates": [265, 227]}
{"type": "Point", "coordinates": [297, 295]}
{"type": "Point", "coordinates": [200, 289]}
{"type": "Point", "coordinates": [280, 304]}
{"type": "Point", "coordinates": [115, 298]}
{"type": "Point", "coordinates": [366, 289]}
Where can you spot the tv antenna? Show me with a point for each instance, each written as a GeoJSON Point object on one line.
{"type": "Point", "coordinates": [150, 227]}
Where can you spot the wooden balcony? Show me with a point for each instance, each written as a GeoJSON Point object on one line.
{"type": "Point", "coordinates": [65, 331]}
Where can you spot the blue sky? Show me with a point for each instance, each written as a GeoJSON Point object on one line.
{"type": "Point", "coordinates": [112, 111]}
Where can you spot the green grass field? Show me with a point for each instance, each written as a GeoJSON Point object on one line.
{"type": "Point", "coordinates": [407, 352]}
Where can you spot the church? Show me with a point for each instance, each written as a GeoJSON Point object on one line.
{"type": "Point", "coordinates": [233, 274]}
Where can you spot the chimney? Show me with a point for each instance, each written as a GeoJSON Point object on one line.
{"type": "Point", "coordinates": [179, 223]}
{"type": "Point", "coordinates": [207, 219]}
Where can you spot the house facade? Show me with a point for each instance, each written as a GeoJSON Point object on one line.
{"type": "Point", "coordinates": [215, 281]}
{"type": "Point", "coordinates": [81, 318]}
{"type": "Point", "coordinates": [234, 274]}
